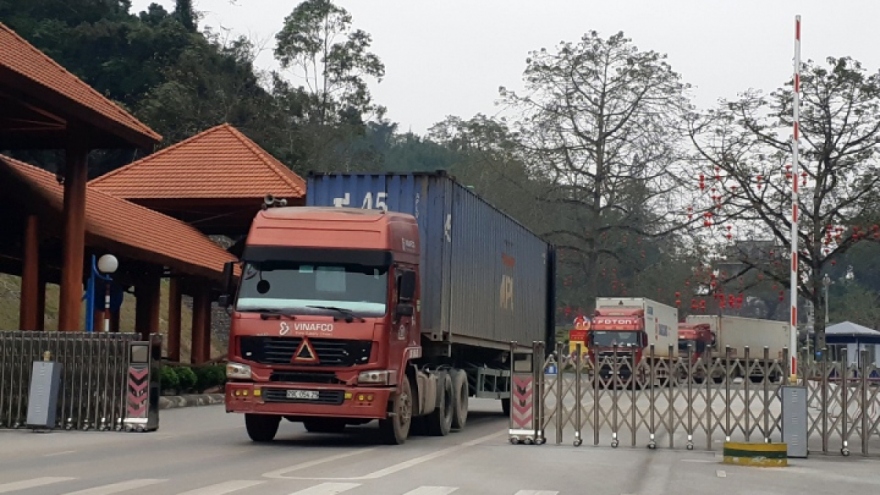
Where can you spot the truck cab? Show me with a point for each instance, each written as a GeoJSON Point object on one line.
{"type": "Point", "coordinates": [325, 320]}
{"type": "Point", "coordinates": [696, 337]}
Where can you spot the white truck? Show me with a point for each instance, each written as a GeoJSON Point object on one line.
{"type": "Point", "coordinates": [738, 333]}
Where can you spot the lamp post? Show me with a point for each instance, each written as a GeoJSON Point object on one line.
{"type": "Point", "coordinates": [101, 268]}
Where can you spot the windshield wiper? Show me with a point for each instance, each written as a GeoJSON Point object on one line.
{"type": "Point", "coordinates": [266, 313]}
{"type": "Point", "coordinates": [349, 314]}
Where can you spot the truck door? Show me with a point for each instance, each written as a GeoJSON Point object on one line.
{"type": "Point", "coordinates": [403, 331]}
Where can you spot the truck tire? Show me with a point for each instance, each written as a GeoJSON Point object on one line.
{"type": "Point", "coordinates": [460, 394]}
{"type": "Point", "coordinates": [440, 419]}
{"type": "Point", "coordinates": [324, 426]}
{"type": "Point", "coordinates": [395, 429]}
{"type": "Point", "coordinates": [261, 427]}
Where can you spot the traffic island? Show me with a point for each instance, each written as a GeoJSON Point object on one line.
{"type": "Point", "coordinates": [756, 454]}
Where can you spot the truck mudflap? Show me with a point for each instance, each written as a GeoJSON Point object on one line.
{"type": "Point", "coordinates": [284, 399]}
{"type": "Point", "coordinates": [527, 381]}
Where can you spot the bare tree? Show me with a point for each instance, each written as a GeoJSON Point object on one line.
{"type": "Point", "coordinates": [745, 147]}
{"type": "Point", "coordinates": [598, 118]}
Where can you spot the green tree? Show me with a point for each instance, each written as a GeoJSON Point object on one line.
{"type": "Point", "coordinates": [318, 43]}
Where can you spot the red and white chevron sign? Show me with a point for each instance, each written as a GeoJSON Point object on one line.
{"type": "Point", "coordinates": [521, 402]}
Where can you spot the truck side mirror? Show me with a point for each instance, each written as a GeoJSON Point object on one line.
{"type": "Point", "coordinates": [404, 310]}
{"type": "Point", "coordinates": [228, 269]}
{"type": "Point", "coordinates": [407, 286]}
{"type": "Point", "coordinates": [644, 340]}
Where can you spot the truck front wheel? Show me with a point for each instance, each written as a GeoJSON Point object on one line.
{"type": "Point", "coordinates": [261, 427]}
{"type": "Point", "coordinates": [395, 429]}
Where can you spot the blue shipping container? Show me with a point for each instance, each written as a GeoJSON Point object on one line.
{"type": "Point", "coordinates": [486, 279]}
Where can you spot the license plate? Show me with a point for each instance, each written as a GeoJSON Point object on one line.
{"type": "Point", "coordinates": [302, 394]}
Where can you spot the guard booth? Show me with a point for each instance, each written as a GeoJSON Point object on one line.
{"type": "Point", "coordinates": [79, 381]}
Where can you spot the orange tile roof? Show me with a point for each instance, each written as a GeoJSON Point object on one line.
{"type": "Point", "coordinates": [130, 229]}
{"type": "Point", "coordinates": [218, 163]}
{"type": "Point", "coordinates": [19, 56]}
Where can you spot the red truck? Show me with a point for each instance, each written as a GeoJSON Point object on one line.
{"type": "Point", "coordinates": [397, 311]}
{"type": "Point", "coordinates": [699, 337]}
{"type": "Point", "coordinates": [624, 329]}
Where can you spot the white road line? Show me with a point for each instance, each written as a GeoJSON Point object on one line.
{"type": "Point", "coordinates": [536, 492]}
{"type": "Point", "coordinates": [116, 487]}
{"type": "Point", "coordinates": [327, 489]}
{"type": "Point", "coordinates": [59, 453]}
{"type": "Point", "coordinates": [279, 474]}
{"type": "Point", "coordinates": [390, 469]}
{"type": "Point", "coordinates": [432, 490]}
{"type": "Point", "coordinates": [32, 483]}
{"type": "Point", "coordinates": [223, 488]}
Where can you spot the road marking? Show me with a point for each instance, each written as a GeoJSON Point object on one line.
{"type": "Point", "coordinates": [700, 461]}
{"type": "Point", "coordinates": [223, 488]}
{"type": "Point", "coordinates": [116, 487]}
{"type": "Point", "coordinates": [327, 489]}
{"type": "Point", "coordinates": [33, 483]}
{"type": "Point", "coordinates": [432, 490]}
{"type": "Point", "coordinates": [59, 453]}
{"type": "Point", "coordinates": [385, 471]}
{"type": "Point", "coordinates": [721, 474]}
{"type": "Point", "coordinates": [279, 474]}
{"type": "Point", "coordinates": [536, 492]}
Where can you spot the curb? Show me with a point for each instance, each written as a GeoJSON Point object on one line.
{"type": "Point", "coordinates": [194, 400]}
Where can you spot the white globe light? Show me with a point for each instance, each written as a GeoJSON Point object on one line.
{"type": "Point", "coordinates": [108, 263]}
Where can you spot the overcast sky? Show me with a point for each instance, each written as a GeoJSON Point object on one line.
{"type": "Point", "coordinates": [449, 57]}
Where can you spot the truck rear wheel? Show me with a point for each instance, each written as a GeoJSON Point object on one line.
{"type": "Point", "coordinates": [261, 427]}
{"type": "Point", "coordinates": [395, 429]}
{"type": "Point", "coordinates": [460, 393]}
{"type": "Point", "coordinates": [440, 420]}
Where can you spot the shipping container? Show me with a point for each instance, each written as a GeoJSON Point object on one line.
{"type": "Point", "coordinates": [486, 279]}
{"type": "Point", "coordinates": [739, 333]}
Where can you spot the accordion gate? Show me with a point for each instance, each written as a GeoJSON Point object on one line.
{"type": "Point", "coordinates": [688, 402]}
{"type": "Point", "coordinates": [109, 381]}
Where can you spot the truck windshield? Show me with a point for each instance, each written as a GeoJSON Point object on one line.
{"type": "Point", "coordinates": [294, 287]}
{"type": "Point", "coordinates": [698, 345]}
{"type": "Point", "coordinates": [603, 338]}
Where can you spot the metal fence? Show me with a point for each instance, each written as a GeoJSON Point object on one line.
{"type": "Point", "coordinates": [102, 377]}
{"type": "Point", "coordinates": [687, 401]}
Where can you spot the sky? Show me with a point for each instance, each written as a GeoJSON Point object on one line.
{"type": "Point", "coordinates": [449, 57]}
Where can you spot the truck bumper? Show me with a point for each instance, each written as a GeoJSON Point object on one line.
{"type": "Point", "coordinates": [331, 402]}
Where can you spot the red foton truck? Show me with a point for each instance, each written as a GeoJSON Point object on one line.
{"type": "Point", "coordinates": [397, 311]}
{"type": "Point", "coordinates": [698, 336]}
{"type": "Point", "coordinates": [626, 328]}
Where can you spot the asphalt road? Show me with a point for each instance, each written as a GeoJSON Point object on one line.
{"type": "Point", "coordinates": [204, 451]}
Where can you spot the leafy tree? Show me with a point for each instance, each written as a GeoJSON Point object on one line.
{"type": "Point", "coordinates": [598, 120]}
{"type": "Point", "coordinates": [332, 69]}
{"type": "Point", "coordinates": [746, 143]}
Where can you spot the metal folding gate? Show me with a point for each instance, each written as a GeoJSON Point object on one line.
{"type": "Point", "coordinates": [688, 401]}
{"type": "Point", "coordinates": [109, 381]}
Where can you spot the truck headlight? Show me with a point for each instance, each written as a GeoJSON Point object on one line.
{"type": "Point", "coordinates": [237, 370]}
{"type": "Point", "coordinates": [376, 377]}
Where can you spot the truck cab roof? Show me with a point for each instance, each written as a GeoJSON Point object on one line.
{"type": "Point", "coordinates": [335, 228]}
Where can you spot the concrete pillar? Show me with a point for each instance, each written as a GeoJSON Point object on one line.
{"type": "Point", "coordinates": [174, 315]}
{"type": "Point", "coordinates": [29, 309]}
{"type": "Point", "coordinates": [75, 177]}
{"type": "Point", "coordinates": [201, 318]}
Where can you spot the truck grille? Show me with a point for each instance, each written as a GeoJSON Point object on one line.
{"type": "Point", "coordinates": [333, 397]}
{"type": "Point", "coordinates": [280, 350]}
{"type": "Point", "coordinates": [304, 377]}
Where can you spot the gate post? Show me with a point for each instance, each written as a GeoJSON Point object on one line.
{"type": "Point", "coordinates": [522, 396]}
{"type": "Point", "coordinates": [142, 385]}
